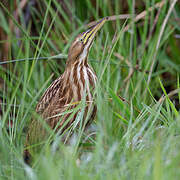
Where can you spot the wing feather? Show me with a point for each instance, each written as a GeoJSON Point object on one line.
{"type": "Point", "coordinates": [48, 95]}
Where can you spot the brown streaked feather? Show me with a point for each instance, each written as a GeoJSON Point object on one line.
{"type": "Point", "coordinates": [48, 95]}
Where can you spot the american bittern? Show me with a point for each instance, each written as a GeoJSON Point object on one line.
{"type": "Point", "coordinates": [78, 79]}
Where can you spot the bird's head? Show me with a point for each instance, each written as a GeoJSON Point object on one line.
{"type": "Point", "coordinates": [80, 46]}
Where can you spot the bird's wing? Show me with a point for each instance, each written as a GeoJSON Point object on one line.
{"type": "Point", "coordinates": [48, 95]}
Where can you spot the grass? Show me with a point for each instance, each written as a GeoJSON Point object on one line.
{"type": "Point", "coordinates": [137, 125]}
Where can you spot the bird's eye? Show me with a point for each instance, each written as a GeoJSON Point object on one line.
{"type": "Point", "coordinates": [81, 40]}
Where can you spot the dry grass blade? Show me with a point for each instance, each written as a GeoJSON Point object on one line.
{"type": "Point", "coordinates": [172, 93]}
{"type": "Point", "coordinates": [144, 13]}
{"type": "Point", "coordinates": [111, 18]}
{"type": "Point", "coordinates": [127, 16]}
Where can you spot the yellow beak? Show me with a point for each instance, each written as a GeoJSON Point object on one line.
{"type": "Point", "coordinates": [90, 33]}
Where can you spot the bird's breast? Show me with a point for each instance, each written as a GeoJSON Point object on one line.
{"type": "Point", "coordinates": [83, 81]}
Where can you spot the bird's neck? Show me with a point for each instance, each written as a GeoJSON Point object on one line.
{"type": "Point", "coordinates": [82, 71]}
{"type": "Point", "coordinates": [82, 77]}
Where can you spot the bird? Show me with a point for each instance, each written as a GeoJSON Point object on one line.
{"type": "Point", "coordinates": [77, 82]}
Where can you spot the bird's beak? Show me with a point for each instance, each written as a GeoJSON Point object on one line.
{"type": "Point", "coordinates": [90, 33]}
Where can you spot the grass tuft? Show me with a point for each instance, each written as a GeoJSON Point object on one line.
{"type": "Point", "coordinates": [136, 133]}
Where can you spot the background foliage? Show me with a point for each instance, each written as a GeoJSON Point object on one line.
{"type": "Point", "coordinates": [137, 61]}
